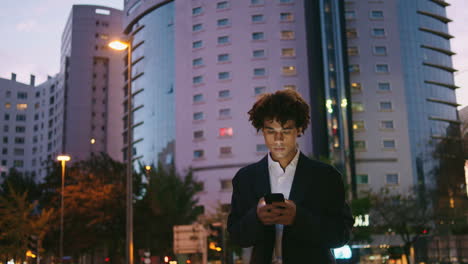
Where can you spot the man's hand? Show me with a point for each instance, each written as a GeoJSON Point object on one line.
{"type": "Point", "coordinates": [276, 213]}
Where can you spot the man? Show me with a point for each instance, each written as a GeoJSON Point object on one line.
{"type": "Point", "coordinates": [314, 216]}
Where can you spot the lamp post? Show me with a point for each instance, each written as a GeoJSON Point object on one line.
{"type": "Point", "coordinates": [122, 45]}
{"type": "Point", "coordinates": [63, 159]}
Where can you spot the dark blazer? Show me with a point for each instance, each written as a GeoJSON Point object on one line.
{"type": "Point", "coordinates": [323, 219]}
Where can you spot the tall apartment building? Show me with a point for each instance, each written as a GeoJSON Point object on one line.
{"type": "Point", "coordinates": [92, 83]}
{"type": "Point", "coordinates": [403, 96]}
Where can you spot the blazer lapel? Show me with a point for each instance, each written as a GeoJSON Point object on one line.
{"type": "Point", "coordinates": [262, 179]}
{"type": "Point", "coordinates": [298, 188]}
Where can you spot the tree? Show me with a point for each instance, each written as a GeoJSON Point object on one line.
{"type": "Point", "coordinates": [169, 200]}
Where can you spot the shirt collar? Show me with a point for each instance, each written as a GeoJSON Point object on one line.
{"type": "Point", "coordinates": [293, 162]}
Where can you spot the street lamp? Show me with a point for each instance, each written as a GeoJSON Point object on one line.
{"type": "Point", "coordinates": [122, 45]}
{"type": "Point", "coordinates": [63, 159]}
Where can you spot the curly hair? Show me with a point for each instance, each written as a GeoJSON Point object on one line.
{"type": "Point", "coordinates": [281, 106]}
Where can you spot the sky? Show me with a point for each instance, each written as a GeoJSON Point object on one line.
{"type": "Point", "coordinates": [31, 32]}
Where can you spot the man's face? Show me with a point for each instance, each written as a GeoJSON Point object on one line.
{"type": "Point", "coordinates": [281, 140]}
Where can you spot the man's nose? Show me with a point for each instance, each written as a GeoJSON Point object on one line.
{"type": "Point", "coordinates": [278, 136]}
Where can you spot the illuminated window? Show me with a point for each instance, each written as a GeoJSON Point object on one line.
{"type": "Point", "coordinates": [385, 106]}
{"type": "Point", "coordinates": [258, 36]}
{"type": "Point", "coordinates": [353, 51]}
{"type": "Point", "coordinates": [380, 50]}
{"type": "Point", "coordinates": [197, 44]}
{"type": "Point", "coordinates": [259, 72]}
{"type": "Point", "coordinates": [257, 18]}
{"type": "Point", "coordinates": [225, 150]}
{"type": "Point", "coordinates": [287, 35]}
{"type": "Point", "coordinates": [259, 90]}
{"type": "Point", "coordinates": [222, 5]}
{"type": "Point", "coordinates": [356, 87]}
{"type": "Point", "coordinates": [289, 86]}
{"type": "Point", "coordinates": [354, 68]}
{"type": "Point", "coordinates": [223, 40]}
{"type": "Point", "coordinates": [358, 125]}
{"type": "Point", "coordinates": [224, 57]}
{"type": "Point", "coordinates": [359, 145]}
{"type": "Point", "coordinates": [350, 14]}
{"type": "Point", "coordinates": [198, 154]}
{"type": "Point", "coordinates": [197, 27]}
{"type": "Point", "coordinates": [391, 178]}
{"type": "Point", "coordinates": [198, 98]}
{"type": "Point", "coordinates": [197, 79]}
{"type": "Point", "coordinates": [388, 144]}
{"type": "Point", "coordinates": [362, 179]}
{"type": "Point", "coordinates": [351, 33]}
{"type": "Point", "coordinates": [384, 86]}
{"type": "Point", "coordinates": [197, 62]}
{"type": "Point", "coordinates": [387, 124]}
{"type": "Point", "coordinates": [226, 185]}
{"type": "Point", "coordinates": [286, 17]}
{"type": "Point", "coordinates": [288, 52]}
{"type": "Point", "coordinates": [258, 53]}
{"type": "Point", "coordinates": [378, 32]}
{"type": "Point", "coordinates": [198, 116]}
{"type": "Point", "coordinates": [224, 76]}
{"type": "Point", "coordinates": [357, 106]}
{"type": "Point", "coordinates": [224, 94]}
{"type": "Point", "coordinates": [7, 105]}
{"type": "Point", "coordinates": [225, 132]}
{"type": "Point", "coordinates": [289, 70]}
{"type": "Point", "coordinates": [381, 68]}
{"type": "Point", "coordinates": [197, 10]}
{"type": "Point", "coordinates": [225, 112]}
{"type": "Point", "coordinates": [222, 22]}
{"type": "Point", "coordinates": [376, 14]}
{"type": "Point", "coordinates": [198, 134]}
{"type": "Point", "coordinates": [261, 148]}
{"type": "Point", "coordinates": [103, 36]}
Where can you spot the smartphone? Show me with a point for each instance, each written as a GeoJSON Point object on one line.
{"type": "Point", "coordinates": [274, 197]}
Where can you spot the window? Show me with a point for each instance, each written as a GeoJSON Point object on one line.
{"type": "Point", "coordinates": [350, 14]}
{"type": "Point", "coordinates": [198, 116]}
{"type": "Point", "coordinates": [354, 68]}
{"type": "Point", "coordinates": [356, 87]}
{"type": "Point", "coordinates": [222, 5]}
{"type": "Point", "coordinates": [223, 40]}
{"type": "Point", "coordinates": [224, 75]}
{"type": "Point", "coordinates": [388, 144]}
{"type": "Point", "coordinates": [198, 98]}
{"type": "Point", "coordinates": [257, 18]}
{"type": "Point", "coordinates": [376, 14]}
{"type": "Point", "coordinates": [197, 44]}
{"type": "Point", "coordinates": [285, 1]}
{"type": "Point", "coordinates": [258, 53]}
{"type": "Point", "coordinates": [357, 107]}
{"type": "Point", "coordinates": [197, 27]}
{"type": "Point", "coordinates": [358, 125]}
{"type": "Point", "coordinates": [19, 140]}
{"type": "Point", "coordinates": [18, 163]}
{"type": "Point", "coordinates": [353, 51]}
{"type": "Point", "coordinates": [378, 32]}
{"type": "Point", "coordinates": [391, 178]}
{"type": "Point", "coordinates": [362, 179]}
{"type": "Point", "coordinates": [197, 10]}
{"type": "Point", "coordinates": [197, 62]}
{"type": "Point", "coordinates": [359, 145]}
{"type": "Point", "coordinates": [4, 151]}
{"type": "Point", "coordinates": [380, 50]}
{"type": "Point", "coordinates": [383, 86]}
{"type": "Point", "coordinates": [226, 185]}
{"type": "Point", "coordinates": [6, 117]}
{"type": "Point", "coordinates": [225, 150]}
{"type": "Point", "coordinates": [223, 22]}
{"type": "Point", "coordinates": [262, 148]}
{"type": "Point", "coordinates": [7, 105]}
{"type": "Point", "coordinates": [381, 68]}
{"type": "Point", "coordinates": [198, 154]}
{"type": "Point", "coordinates": [256, 2]}
{"type": "Point", "coordinates": [223, 57]}
{"type": "Point", "coordinates": [22, 95]}
{"type": "Point", "coordinates": [386, 124]}
{"type": "Point", "coordinates": [5, 128]}
{"type": "Point", "coordinates": [259, 72]}
{"type": "Point", "coordinates": [289, 70]}
{"type": "Point", "coordinates": [20, 117]}
{"type": "Point", "coordinates": [8, 94]}
{"type": "Point", "coordinates": [225, 132]}
{"type": "Point", "coordinates": [260, 90]}
{"type": "Point", "coordinates": [20, 129]}
{"type": "Point", "coordinates": [224, 94]}
{"type": "Point", "coordinates": [18, 151]}
{"type": "Point", "coordinates": [287, 35]}
{"type": "Point", "coordinates": [198, 134]}
{"type": "Point", "coordinates": [288, 52]}
{"type": "Point", "coordinates": [197, 79]}
{"type": "Point", "coordinates": [286, 17]}
{"type": "Point", "coordinates": [225, 112]}
{"type": "Point", "coordinates": [5, 140]}
{"type": "Point", "coordinates": [351, 33]}
{"type": "Point", "coordinates": [385, 106]}
{"type": "Point", "coordinates": [258, 36]}
{"type": "Point", "coordinates": [289, 86]}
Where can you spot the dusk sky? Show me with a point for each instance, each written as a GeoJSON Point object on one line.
{"type": "Point", "coordinates": [31, 32]}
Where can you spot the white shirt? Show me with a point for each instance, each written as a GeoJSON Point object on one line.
{"type": "Point", "coordinates": [281, 182]}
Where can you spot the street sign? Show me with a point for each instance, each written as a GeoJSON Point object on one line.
{"type": "Point", "coordinates": [189, 239]}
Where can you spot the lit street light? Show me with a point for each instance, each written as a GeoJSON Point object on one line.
{"type": "Point", "coordinates": [63, 159]}
{"type": "Point", "coordinates": [122, 45]}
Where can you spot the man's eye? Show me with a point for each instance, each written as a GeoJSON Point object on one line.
{"type": "Point", "coordinates": [287, 132]}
